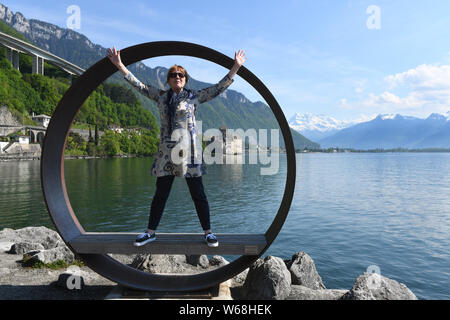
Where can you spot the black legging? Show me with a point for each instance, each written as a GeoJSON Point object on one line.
{"type": "Point", "coordinates": [163, 187]}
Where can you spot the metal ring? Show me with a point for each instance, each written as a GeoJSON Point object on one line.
{"type": "Point", "coordinates": [54, 187]}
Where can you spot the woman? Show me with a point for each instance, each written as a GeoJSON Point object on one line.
{"type": "Point", "coordinates": [177, 108]}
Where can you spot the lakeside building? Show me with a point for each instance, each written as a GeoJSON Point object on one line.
{"type": "Point", "coordinates": [230, 144]}
{"type": "Point", "coordinates": [20, 146]}
{"type": "Point", "coordinates": [115, 127]}
{"type": "Point", "coordinates": [43, 119]}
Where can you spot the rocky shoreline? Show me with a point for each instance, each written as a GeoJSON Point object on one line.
{"type": "Point", "coordinates": [28, 257]}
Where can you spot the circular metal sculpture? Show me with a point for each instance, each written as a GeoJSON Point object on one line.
{"type": "Point", "coordinates": [54, 187]}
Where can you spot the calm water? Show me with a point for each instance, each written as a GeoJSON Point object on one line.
{"type": "Point", "coordinates": [350, 211]}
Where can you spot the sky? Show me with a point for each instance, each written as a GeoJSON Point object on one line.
{"type": "Point", "coordinates": [347, 59]}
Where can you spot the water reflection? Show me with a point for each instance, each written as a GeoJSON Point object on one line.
{"type": "Point", "coordinates": [21, 200]}
{"type": "Point", "coordinates": [115, 195]}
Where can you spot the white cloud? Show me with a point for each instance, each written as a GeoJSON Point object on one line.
{"type": "Point", "coordinates": [419, 92]}
{"type": "Point", "coordinates": [423, 77]}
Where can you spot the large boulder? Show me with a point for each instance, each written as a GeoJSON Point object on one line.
{"type": "Point", "coordinates": [303, 271]}
{"type": "Point", "coordinates": [305, 293]}
{"type": "Point", "coordinates": [267, 279]}
{"type": "Point", "coordinates": [37, 245]}
{"type": "Point", "coordinates": [373, 286]}
{"type": "Point", "coordinates": [48, 238]}
{"type": "Point", "coordinates": [61, 253]}
{"type": "Point", "coordinates": [218, 261]}
{"type": "Point", "coordinates": [166, 263]}
{"type": "Point", "coordinates": [43, 235]}
{"type": "Point", "coordinates": [198, 260]}
{"type": "Point", "coordinates": [161, 263]}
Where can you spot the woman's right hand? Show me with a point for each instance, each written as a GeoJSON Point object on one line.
{"type": "Point", "coordinates": [114, 57]}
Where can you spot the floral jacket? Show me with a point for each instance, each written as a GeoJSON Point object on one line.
{"type": "Point", "coordinates": [179, 153]}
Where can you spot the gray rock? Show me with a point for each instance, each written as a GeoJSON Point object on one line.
{"type": "Point", "coordinates": [123, 258]}
{"type": "Point", "coordinates": [24, 247]}
{"type": "Point", "coordinates": [303, 271]}
{"type": "Point", "coordinates": [7, 118]}
{"type": "Point", "coordinates": [373, 286]}
{"type": "Point", "coordinates": [48, 238]}
{"type": "Point", "coordinates": [49, 256]}
{"type": "Point", "coordinates": [198, 260]}
{"type": "Point", "coordinates": [267, 279]}
{"type": "Point", "coordinates": [8, 235]}
{"type": "Point", "coordinates": [218, 261]}
{"type": "Point", "coordinates": [239, 279]}
{"type": "Point", "coordinates": [160, 263]}
{"type": "Point", "coordinates": [304, 293]}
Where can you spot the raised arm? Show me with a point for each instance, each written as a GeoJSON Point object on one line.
{"type": "Point", "coordinates": [114, 57]}
{"type": "Point", "coordinates": [239, 59]}
{"type": "Point", "coordinates": [213, 91]}
{"type": "Point", "coordinates": [147, 90]}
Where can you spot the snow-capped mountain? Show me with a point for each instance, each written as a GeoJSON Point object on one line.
{"type": "Point", "coordinates": [385, 131]}
{"type": "Point", "coordinates": [437, 116]}
{"type": "Point", "coordinates": [389, 131]}
{"type": "Point", "coordinates": [316, 127]}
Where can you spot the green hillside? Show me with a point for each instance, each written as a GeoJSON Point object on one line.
{"type": "Point", "coordinates": [26, 93]}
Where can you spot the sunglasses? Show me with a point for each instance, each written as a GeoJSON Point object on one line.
{"type": "Point", "coordinates": [175, 74]}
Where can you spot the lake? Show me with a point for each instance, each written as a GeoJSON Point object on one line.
{"type": "Point", "coordinates": [351, 212]}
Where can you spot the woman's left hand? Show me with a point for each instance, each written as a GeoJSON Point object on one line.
{"type": "Point", "coordinates": [239, 58]}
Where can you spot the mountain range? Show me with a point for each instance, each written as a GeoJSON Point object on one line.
{"type": "Point", "coordinates": [386, 131]}
{"type": "Point", "coordinates": [231, 109]}
{"type": "Point", "coordinates": [317, 127]}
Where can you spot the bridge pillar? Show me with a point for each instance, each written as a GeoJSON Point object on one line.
{"type": "Point", "coordinates": [13, 57]}
{"type": "Point", "coordinates": [38, 65]}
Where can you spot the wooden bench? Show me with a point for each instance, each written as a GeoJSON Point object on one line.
{"type": "Point", "coordinates": [168, 243]}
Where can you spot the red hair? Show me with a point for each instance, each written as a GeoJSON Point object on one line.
{"type": "Point", "coordinates": [177, 68]}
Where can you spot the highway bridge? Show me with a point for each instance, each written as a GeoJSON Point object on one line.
{"type": "Point", "coordinates": [15, 46]}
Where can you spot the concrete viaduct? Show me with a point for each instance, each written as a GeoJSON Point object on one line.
{"type": "Point", "coordinates": [15, 46]}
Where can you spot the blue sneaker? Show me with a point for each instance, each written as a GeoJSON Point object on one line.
{"type": "Point", "coordinates": [211, 240]}
{"type": "Point", "coordinates": [144, 238]}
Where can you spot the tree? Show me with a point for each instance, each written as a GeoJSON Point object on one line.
{"type": "Point", "coordinates": [110, 143]}
{"type": "Point", "coordinates": [96, 135]}
{"type": "Point", "coordinates": [90, 135]}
